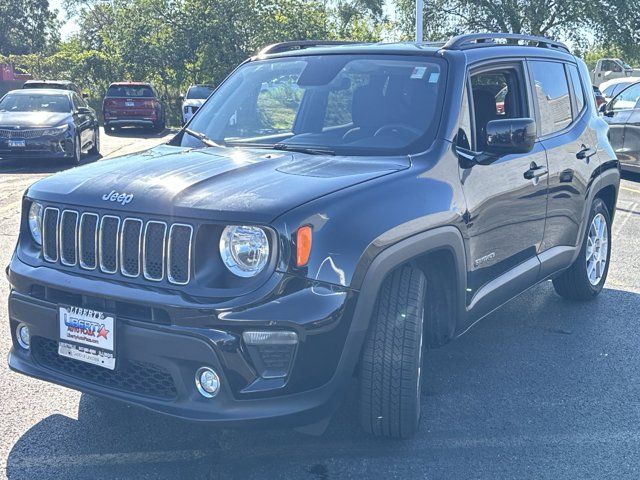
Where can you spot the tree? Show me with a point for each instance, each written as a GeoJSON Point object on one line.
{"type": "Point", "coordinates": [612, 24]}
{"type": "Point", "coordinates": [27, 26]}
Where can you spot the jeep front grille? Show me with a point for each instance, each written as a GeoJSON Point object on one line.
{"type": "Point", "coordinates": [110, 244]}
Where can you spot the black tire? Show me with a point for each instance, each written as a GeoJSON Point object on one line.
{"type": "Point", "coordinates": [391, 363]}
{"type": "Point", "coordinates": [95, 148]}
{"type": "Point", "coordinates": [77, 152]}
{"type": "Point", "coordinates": [574, 283]}
{"type": "Point", "coordinates": [160, 125]}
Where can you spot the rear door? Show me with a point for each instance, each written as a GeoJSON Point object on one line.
{"type": "Point", "coordinates": [563, 124]}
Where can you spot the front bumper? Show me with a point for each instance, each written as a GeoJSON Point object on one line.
{"type": "Point", "coordinates": [42, 147]}
{"type": "Point", "coordinates": [156, 363]}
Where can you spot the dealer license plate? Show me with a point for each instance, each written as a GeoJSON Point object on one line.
{"type": "Point", "coordinates": [17, 144]}
{"type": "Point", "coordinates": [87, 335]}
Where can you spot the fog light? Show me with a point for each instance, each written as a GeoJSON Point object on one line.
{"type": "Point", "coordinates": [207, 382]}
{"type": "Point", "coordinates": [23, 336]}
{"type": "Point", "coordinates": [271, 352]}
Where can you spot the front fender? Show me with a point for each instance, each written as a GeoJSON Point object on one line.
{"type": "Point", "coordinates": [353, 226]}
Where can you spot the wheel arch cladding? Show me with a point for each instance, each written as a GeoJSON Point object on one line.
{"type": "Point", "coordinates": [432, 251]}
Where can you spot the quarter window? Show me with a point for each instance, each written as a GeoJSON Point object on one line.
{"type": "Point", "coordinates": [578, 92]}
{"type": "Point", "coordinates": [552, 91]}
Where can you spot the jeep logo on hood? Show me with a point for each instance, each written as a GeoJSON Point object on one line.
{"type": "Point", "coordinates": [114, 196]}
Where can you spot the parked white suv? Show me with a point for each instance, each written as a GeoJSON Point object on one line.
{"type": "Point", "coordinates": [193, 100]}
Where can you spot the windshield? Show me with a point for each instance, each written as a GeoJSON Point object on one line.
{"type": "Point", "coordinates": [345, 104]}
{"type": "Point", "coordinates": [35, 103]}
{"type": "Point", "coordinates": [199, 92]}
{"type": "Point", "coordinates": [129, 91]}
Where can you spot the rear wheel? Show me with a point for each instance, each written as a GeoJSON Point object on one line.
{"type": "Point", "coordinates": [391, 364]}
{"type": "Point", "coordinates": [585, 278]}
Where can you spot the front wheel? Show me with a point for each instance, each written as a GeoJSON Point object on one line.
{"type": "Point", "coordinates": [77, 151]}
{"type": "Point", "coordinates": [585, 278]}
{"type": "Point", "coordinates": [391, 364]}
{"type": "Point", "coordinates": [95, 148]}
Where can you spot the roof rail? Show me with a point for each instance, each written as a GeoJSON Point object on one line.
{"type": "Point", "coordinates": [476, 40]}
{"type": "Point", "coordinates": [299, 45]}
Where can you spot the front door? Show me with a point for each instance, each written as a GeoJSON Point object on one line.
{"type": "Point", "coordinates": [506, 200]}
{"type": "Point", "coordinates": [623, 116]}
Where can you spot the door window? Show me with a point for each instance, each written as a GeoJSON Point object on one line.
{"type": "Point", "coordinates": [497, 94]}
{"type": "Point", "coordinates": [628, 99]}
{"type": "Point", "coordinates": [552, 92]}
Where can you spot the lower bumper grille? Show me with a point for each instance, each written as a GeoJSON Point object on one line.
{"type": "Point", "coordinates": [130, 376]}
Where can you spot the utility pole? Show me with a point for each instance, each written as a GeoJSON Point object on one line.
{"type": "Point", "coordinates": [419, 8]}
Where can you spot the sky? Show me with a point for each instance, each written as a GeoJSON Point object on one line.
{"type": "Point", "coordinates": [69, 27]}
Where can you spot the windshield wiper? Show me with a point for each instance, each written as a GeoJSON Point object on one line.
{"type": "Point", "coordinates": [302, 149]}
{"type": "Point", "coordinates": [202, 137]}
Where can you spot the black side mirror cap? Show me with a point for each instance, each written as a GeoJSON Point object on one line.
{"type": "Point", "coordinates": [510, 135]}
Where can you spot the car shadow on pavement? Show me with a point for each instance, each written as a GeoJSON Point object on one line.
{"type": "Point", "coordinates": [526, 386]}
{"type": "Point", "coordinates": [31, 166]}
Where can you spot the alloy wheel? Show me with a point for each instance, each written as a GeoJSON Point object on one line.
{"type": "Point", "coordinates": [597, 249]}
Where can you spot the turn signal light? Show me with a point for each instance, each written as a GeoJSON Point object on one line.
{"type": "Point", "coordinates": [303, 245]}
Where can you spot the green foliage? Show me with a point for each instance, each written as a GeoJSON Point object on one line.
{"type": "Point", "coordinates": [176, 43]}
{"type": "Point", "coordinates": [588, 24]}
{"type": "Point", "coordinates": [26, 26]}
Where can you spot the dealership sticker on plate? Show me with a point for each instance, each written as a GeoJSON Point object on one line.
{"type": "Point", "coordinates": [87, 335]}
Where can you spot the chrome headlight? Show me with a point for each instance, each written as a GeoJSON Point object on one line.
{"type": "Point", "coordinates": [35, 222]}
{"type": "Point", "coordinates": [56, 130]}
{"type": "Point", "coordinates": [244, 250]}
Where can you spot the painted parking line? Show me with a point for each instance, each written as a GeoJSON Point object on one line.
{"type": "Point", "coordinates": [629, 189]}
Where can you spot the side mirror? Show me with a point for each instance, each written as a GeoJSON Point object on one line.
{"type": "Point", "coordinates": [511, 135]}
{"type": "Point", "coordinates": [181, 97]}
{"type": "Point", "coordinates": [83, 110]}
{"type": "Point", "coordinates": [85, 95]}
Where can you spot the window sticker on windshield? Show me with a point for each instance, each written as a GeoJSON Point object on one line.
{"type": "Point", "coordinates": [433, 78]}
{"type": "Point", "coordinates": [418, 72]}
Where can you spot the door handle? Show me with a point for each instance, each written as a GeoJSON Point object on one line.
{"type": "Point", "coordinates": [585, 153]}
{"type": "Point", "coordinates": [535, 171]}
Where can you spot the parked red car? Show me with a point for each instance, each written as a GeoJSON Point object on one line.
{"type": "Point", "coordinates": [132, 104]}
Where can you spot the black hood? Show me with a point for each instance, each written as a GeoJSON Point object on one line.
{"type": "Point", "coordinates": [214, 183]}
{"type": "Point", "coordinates": [33, 119]}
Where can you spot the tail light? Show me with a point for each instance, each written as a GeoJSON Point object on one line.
{"type": "Point", "coordinates": [108, 103]}
{"type": "Point", "coordinates": [149, 104]}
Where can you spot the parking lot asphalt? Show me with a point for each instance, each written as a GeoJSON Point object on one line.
{"type": "Point", "coordinates": [542, 388]}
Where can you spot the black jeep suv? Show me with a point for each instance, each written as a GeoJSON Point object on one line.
{"type": "Point", "coordinates": [328, 215]}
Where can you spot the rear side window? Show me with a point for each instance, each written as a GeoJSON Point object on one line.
{"type": "Point", "coordinates": [129, 91]}
{"type": "Point", "coordinates": [552, 91]}
{"type": "Point", "coordinates": [578, 91]}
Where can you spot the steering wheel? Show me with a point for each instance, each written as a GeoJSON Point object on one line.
{"type": "Point", "coordinates": [396, 128]}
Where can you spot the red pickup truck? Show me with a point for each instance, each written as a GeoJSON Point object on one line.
{"type": "Point", "coordinates": [132, 104]}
